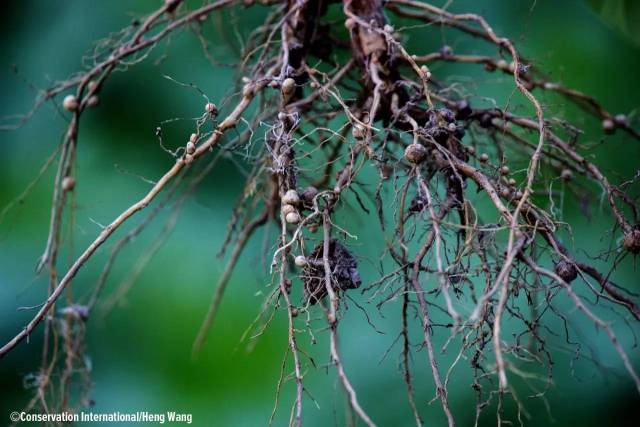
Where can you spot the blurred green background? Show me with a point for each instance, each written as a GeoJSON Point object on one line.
{"type": "Point", "coordinates": [140, 351]}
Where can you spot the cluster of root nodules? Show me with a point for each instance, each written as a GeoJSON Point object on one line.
{"type": "Point", "coordinates": [343, 269]}
{"type": "Point", "coordinates": [334, 119]}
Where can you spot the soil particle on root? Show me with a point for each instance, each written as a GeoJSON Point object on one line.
{"type": "Point", "coordinates": [417, 204]}
{"type": "Point", "coordinates": [344, 271]}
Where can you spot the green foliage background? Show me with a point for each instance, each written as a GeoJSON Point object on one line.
{"type": "Point", "coordinates": [140, 351]}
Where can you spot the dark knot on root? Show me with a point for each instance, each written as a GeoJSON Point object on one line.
{"type": "Point", "coordinates": [566, 270]}
{"type": "Point", "coordinates": [631, 241]}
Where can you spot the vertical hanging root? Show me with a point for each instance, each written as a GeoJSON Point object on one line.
{"type": "Point", "coordinates": [321, 121]}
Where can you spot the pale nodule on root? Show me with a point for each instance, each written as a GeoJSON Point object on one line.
{"type": "Point", "coordinates": [330, 108]}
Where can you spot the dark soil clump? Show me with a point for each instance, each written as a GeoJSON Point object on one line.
{"type": "Point", "coordinates": [344, 271]}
